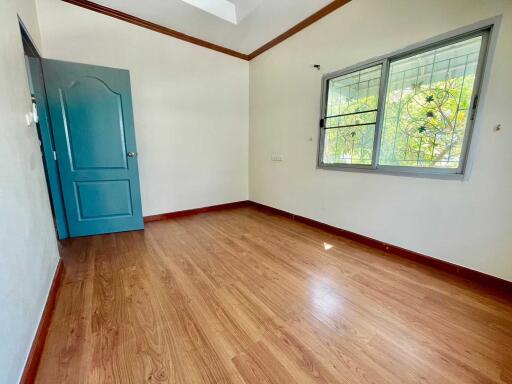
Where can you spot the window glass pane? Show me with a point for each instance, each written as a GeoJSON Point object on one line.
{"type": "Point", "coordinates": [427, 106]}
{"type": "Point", "coordinates": [349, 145]}
{"type": "Point", "coordinates": [351, 113]}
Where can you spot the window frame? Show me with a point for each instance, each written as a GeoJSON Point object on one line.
{"type": "Point", "coordinates": [486, 29]}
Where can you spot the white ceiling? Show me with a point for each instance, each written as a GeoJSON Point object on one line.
{"type": "Point", "coordinates": [230, 10]}
{"type": "Point", "coordinates": [254, 22]}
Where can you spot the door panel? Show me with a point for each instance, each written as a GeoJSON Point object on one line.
{"type": "Point", "coordinates": [92, 119]}
{"type": "Point", "coordinates": [91, 204]}
{"type": "Point", "coordinates": [90, 102]}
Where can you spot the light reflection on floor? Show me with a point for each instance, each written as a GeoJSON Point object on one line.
{"type": "Point", "coordinates": [324, 299]}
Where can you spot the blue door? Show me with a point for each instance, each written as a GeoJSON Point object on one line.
{"type": "Point", "coordinates": [92, 121]}
{"type": "Point", "coordinates": [36, 83]}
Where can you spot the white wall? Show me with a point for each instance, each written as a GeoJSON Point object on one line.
{"type": "Point", "coordinates": [191, 105]}
{"type": "Point", "coordinates": [28, 247]}
{"type": "Point", "coordinates": [468, 223]}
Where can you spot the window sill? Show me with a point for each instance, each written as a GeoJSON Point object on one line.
{"type": "Point", "coordinates": [441, 174]}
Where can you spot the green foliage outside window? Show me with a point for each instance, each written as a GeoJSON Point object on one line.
{"type": "Point", "coordinates": [426, 110]}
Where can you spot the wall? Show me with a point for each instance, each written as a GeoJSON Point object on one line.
{"type": "Point", "coordinates": [467, 223]}
{"type": "Point", "coordinates": [191, 105]}
{"type": "Point", "coordinates": [28, 247]}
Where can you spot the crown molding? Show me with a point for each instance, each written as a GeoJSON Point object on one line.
{"type": "Point", "coordinates": [154, 27]}
{"type": "Point", "coordinates": [331, 7]}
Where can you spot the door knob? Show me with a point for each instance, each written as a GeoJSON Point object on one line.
{"type": "Point", "coordinates": [132, 154]}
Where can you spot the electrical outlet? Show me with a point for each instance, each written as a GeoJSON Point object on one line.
{"type": "Point", "coordinates": [277, 157]}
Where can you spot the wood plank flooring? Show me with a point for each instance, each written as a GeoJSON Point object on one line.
{"type": "Point", "coordinates": [243, 296]}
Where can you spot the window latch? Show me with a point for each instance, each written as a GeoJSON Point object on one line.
{"type": "Point", "coordinates": [473, 110]}
{"type": "Point", "coordinates": [322, 123]}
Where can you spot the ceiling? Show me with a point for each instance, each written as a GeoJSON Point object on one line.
{"type": "Point", "coordinates": [233, 11]}
{"type": "Point", "coordinates": [240, 25]}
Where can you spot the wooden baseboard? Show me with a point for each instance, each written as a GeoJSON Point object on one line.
{"type": "Point", "coordinates": [467, 273]}
{"type": "Point", "coordinates": [30, 371]}
{"type": "Point", "coordinates": [189, 212]}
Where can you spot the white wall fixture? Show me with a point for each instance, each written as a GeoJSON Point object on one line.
{"type": "Point", "coordinates": [32, 116]}
{"type": "Point", "coordinates": [35, 116]}
{"type": "Point", "coordinates": [29, 119]}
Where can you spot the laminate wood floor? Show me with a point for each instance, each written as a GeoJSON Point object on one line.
{"type": "Point", "coordinates": [244, 296]}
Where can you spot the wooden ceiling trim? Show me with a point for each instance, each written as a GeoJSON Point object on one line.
{"type": "Point", "coordinates": [154, 27]}
{"type": "Point", "coordinates": [329, 8]}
